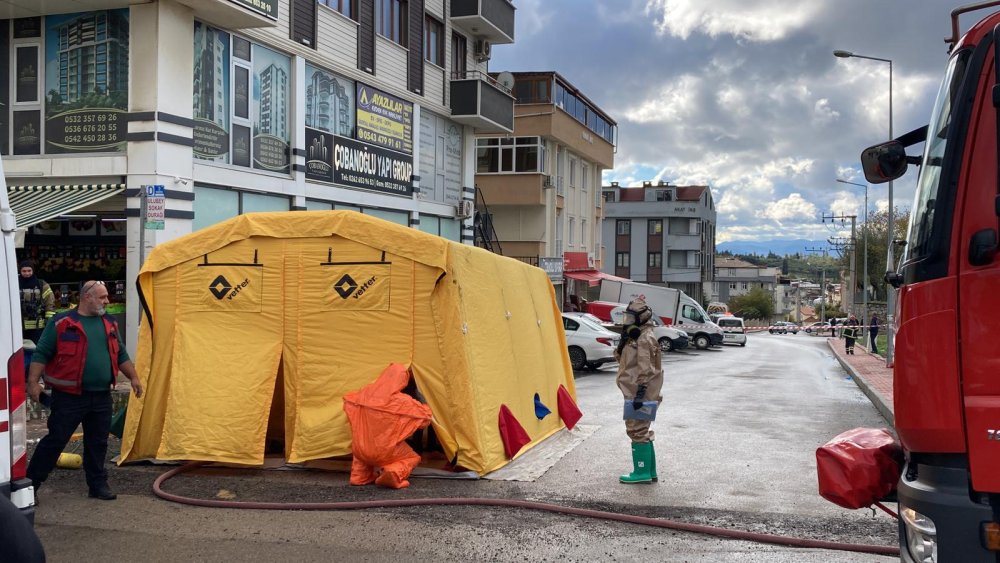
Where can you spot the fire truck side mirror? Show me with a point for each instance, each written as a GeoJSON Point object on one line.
{"type": "Point", "coordinates": [983, 247]}
{"type": "Point", "coordinates": [884, 162]}
{"type": "Point", "coordinates": [895, 279]}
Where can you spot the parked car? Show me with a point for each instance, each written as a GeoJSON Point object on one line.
{"type": "Point", "coordinates": [670, 338]}
{"type": "Point", "coordinates": [733, 330]}
{"type": "Point", "coordinates": [817, 327]}
{"type": "Point", "coordinates": [783, 327]}
{"type": "Point", "coordinates": [590, 344]}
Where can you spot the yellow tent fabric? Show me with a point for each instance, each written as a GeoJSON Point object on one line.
{"type": "Point", "coordinates": [256, 327]}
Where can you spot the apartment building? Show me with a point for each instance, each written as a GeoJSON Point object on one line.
{"type": "Point", "coordinates": [223, 107]}
{"type": "Point", "coordinates": [662, 235]}
{"type": "Point", "coordinates": [540, 185]}
{"type": "Point", "coordinates": [735, 277]}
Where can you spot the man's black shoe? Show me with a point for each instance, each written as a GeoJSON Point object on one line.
{"type": "Point", "coordinates": [103, 494]}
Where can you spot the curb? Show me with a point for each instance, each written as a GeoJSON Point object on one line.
{"type": "Point", "coordinates": [881, 405]}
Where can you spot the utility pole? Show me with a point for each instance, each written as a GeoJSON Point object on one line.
{"type": "Point", "coordinates": [847, 246]}
{"type": "Point", "coordinates": [822, 310]}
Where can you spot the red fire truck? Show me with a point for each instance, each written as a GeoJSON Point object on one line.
{"type": "Point", "coordinates": [13, 399]}
{"type": "Point", "coordinates": [947, 367]}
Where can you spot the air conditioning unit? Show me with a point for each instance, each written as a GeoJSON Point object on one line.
{"type": "Point", "coordinates": [481, 50]}
{"type": "Point", "coordinates": [590, 259]}
{"type": "Point", "coordinates": [547, 181]}
{"type": "Point", "coordinates": [465, 209]}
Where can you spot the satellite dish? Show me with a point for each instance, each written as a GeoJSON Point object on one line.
{"type": "Point", "coordinates": [506, 80]}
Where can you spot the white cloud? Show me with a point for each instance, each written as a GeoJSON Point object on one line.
{"type": "Point", "coordinates": [675, 102]}
{"type": "Point", "coordinates": [754, 20]}
{"type": "Point", "coordinates": [823, 114]}
{"type": "Point", "coordinates": [793, 207]}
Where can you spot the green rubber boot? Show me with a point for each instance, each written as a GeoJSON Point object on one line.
{"type": "Point", "coordinates": [641, 455]}
{"type": "Point", "coordinates": [652, 461]}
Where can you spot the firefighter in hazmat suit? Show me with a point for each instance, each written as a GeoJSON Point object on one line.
{"type": "Point", "coordinates": [640, 378]}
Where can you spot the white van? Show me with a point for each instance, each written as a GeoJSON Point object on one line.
{"type": "Point", "coordinates": [13, 407]}
{"type": "Point", "coordinates": [733, 330]}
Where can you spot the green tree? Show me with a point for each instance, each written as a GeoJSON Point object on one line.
{"type": "Point", "coordinates": [877, 237]}
{"type": "Point", "coordinates": [756, 304]}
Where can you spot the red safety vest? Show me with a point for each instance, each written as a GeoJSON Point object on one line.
{"type": "Point", "coordinates": [65, 371]}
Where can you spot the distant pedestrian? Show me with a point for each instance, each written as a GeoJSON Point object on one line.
{"type": "Point", "coordinates": [850, 334]}
{"type": "Point", "coordinates": [38, 304]}
{"type": "Point", "coordinates": [873, 334]}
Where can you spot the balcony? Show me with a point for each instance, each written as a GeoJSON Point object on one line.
{"type": "Point", "coordinates": [492, 20]}
{"type": "Point", "coordinates": [478, 100]}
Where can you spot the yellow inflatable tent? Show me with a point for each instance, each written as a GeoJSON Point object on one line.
{"type": "Point", "coordinates": [255, 328]}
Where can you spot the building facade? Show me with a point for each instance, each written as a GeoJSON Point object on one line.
{"type": "Point", "coordinates": [734, 277]}
{"type": "Point", "coordinates": [662, 235]}
{"type": "Point", "coordinates": [540, 186]}
{"type": "Point", "coordinates": [223, 107]}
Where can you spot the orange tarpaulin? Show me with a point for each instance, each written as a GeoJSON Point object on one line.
{"type": "Point", "coordinates": [382, 418]}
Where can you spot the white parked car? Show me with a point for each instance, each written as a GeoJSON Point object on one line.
{"type": "Point", "coordinates": [590, 344]}
{"type": "Point", "coordinates": [733, 330]}
{"type": "Point", "coordinates": [670, 338]}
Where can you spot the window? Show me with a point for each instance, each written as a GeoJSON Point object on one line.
{"type": "Point", "coordinates": [459, 55]}
{"type": "Point", "coordinates": [345, 7]}
{"type": "Point", "coordinates": [390, 19]}
{"type": "Point", "coordinates": [655, 227]}
{"type": "Point", "coordinates": [213, 205]}
{"type": "Point", "coordinates": [532, 90]}
{"type": "Point", "coordinates": [622, 259]}
{"type": "Point", "coordinates": [572, 231]}
{"type": "Point", "coordinates": [572, 172]}
{"type": "Point", "coordinates": [609, 197]}
{"type": "Point", "coordinates": [434, 41]}
{"type": "Point", "coordinates": [503, 155]}
{"type": "Point", "coordinates": [664, 195]}
{"type": "Point", "coordinates": [692, 313]}
{"type": "Point", "coordinates": [732, 285]}
{"type": "Point", "coordinates": [745, 286]}
{"type": "Point", "coordinates": [623, 227]}
{"type": "Point", "coordinates": [655, 260]}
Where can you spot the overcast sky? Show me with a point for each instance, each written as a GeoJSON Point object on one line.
{"type": "Point", "coordinates": [745, 95]}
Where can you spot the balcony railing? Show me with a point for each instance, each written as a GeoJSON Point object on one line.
{"type": "Point", "coordinates": [477, 99]}
{"type": "Point", "coordinates": [492, 20]}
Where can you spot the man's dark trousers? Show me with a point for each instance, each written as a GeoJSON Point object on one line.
{"type": "Point", "coordinates": [872, 335]}
{"type": "Point", "coordinates": [93, 409]}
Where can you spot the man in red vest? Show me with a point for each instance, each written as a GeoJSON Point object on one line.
{"type": "Point", "coordinates": [80, 352]}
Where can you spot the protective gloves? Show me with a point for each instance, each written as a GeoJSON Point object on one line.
{"type": "Point", "coordinates": [639, 396]}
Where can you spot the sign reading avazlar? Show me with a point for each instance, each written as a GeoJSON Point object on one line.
{"type": "Point", "coordinates": [359, 165]}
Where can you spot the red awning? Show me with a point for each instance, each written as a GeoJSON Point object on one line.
{"type": "Point", "coordinates": [593, 277]}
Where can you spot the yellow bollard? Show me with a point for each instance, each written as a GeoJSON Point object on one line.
{"type": "Point", "coordinates": [69, 461]}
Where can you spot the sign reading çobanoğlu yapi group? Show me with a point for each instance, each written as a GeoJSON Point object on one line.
{"type": "Point", "coordinates": [384, 120]}
{"type": "Point", "coordinates": [365, 166]}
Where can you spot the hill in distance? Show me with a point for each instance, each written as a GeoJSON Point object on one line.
{"type": "Point", "coordinates": [781, 247]}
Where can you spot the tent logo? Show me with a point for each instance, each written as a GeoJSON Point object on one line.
{"type": "Point", "coordinates": [219, 287]}
{"type": "Point", "coordinates": [345, 287]}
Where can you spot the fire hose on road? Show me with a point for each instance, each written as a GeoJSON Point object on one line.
{"type": "Point", "coordinates": [514, 503]}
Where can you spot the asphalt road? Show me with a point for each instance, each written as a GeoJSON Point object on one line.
{"type": "Point", "coordinates": [735, 441]}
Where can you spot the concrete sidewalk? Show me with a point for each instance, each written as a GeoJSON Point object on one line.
{"type": "Point", "coordinates": [870, 373]}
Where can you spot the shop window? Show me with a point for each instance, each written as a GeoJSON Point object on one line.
{"type": "Point", "coordinates": [313, 205]}
{"type": "Point", "coordinates": [79, 73]}
{"type": "Point", "coordinates": [451, 229]}
{"type": "Point", "coordinates": [248, 123]}
{"type": "Point", "coordinates": [252, 202]}
{"type": "Point", "coordinates": [213, 206]}
{"type": "Point", "coordinates": [430, 224]}
{"type": "Point", "coordinates": [400, 217]}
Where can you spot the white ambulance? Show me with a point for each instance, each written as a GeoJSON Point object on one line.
{"type": "Point", "coordinates": [13, 392]}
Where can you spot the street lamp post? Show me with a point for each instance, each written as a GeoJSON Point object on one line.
{"type": "Point", "coordinates": [890, 292]}
{"type": "Point", "coordinates": [864, 285]}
